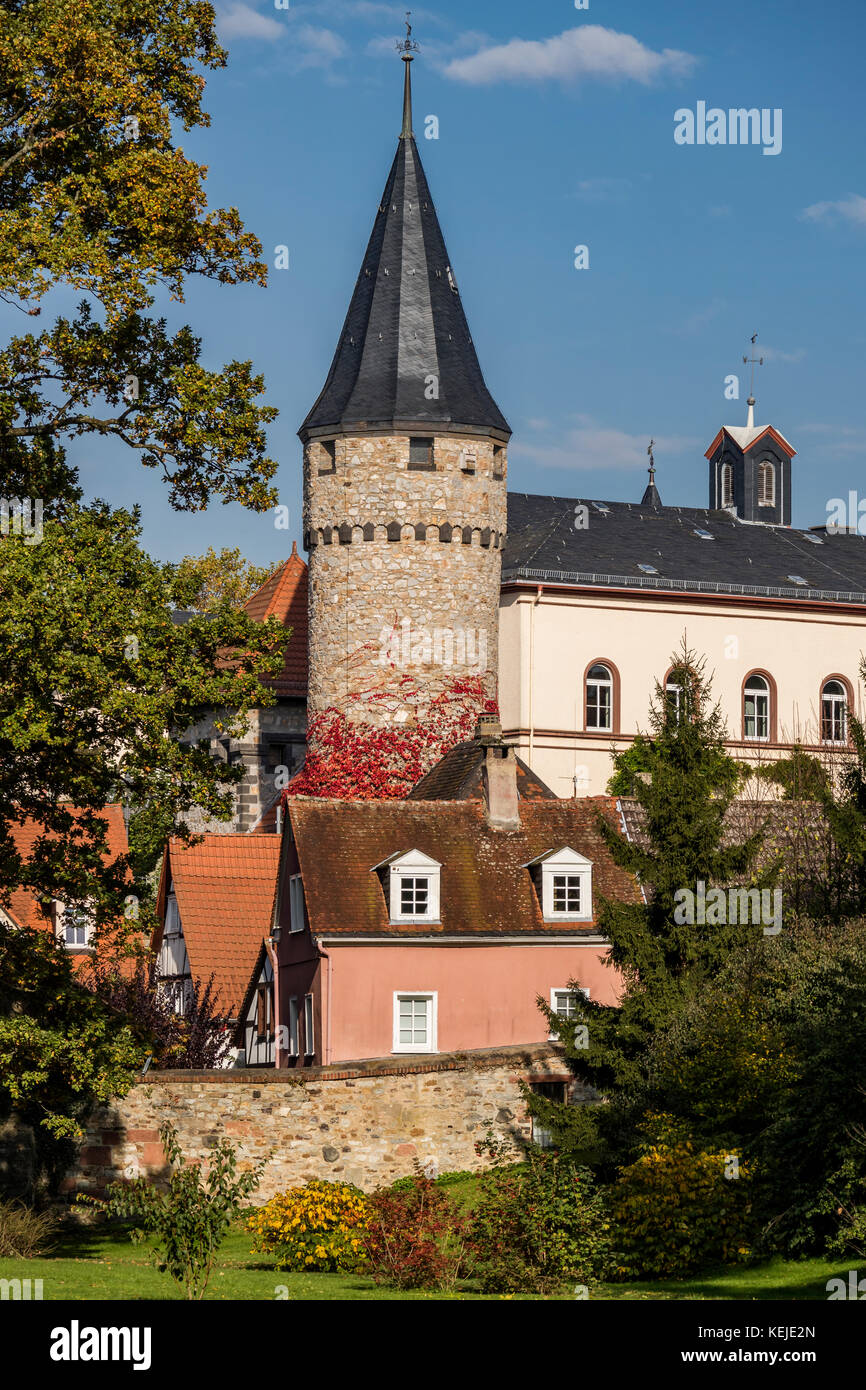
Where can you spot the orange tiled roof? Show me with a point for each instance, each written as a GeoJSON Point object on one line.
{"type": "Point", "coordinates": [26, 910]}
{"type": "Point", "coordinates": [485, 888]}
{"type": "Point", "coordinates": [284, 595]}
{"type": "Point", "coordinates": [25, 906]}
{"type": "Point", "coordinates": [225, 892]}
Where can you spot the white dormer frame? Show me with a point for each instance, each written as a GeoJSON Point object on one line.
{"type": "Point", "coordinates": [563, 876]}
{"type": "Point", "coordinates": [397, 872]}
{"type": "Point", "coordinates": [78, 918]}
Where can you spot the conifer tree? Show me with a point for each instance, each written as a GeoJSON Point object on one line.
{"type": "Point", "coordinates": [683, 788]}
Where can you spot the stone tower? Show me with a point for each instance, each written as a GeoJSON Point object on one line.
{"type": "Point", "coordinates": [404, 475]}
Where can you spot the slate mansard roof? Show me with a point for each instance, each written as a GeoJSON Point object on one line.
{"type": "Point", "coordinates": [405, 324]}
{"type": "Point", "coordinates": [733, 557]}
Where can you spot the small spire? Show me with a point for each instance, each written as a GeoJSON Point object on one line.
{"type": "Point", "coordinates": [651, 496]}
{"type": "Point", "coordinates": [407, 48]}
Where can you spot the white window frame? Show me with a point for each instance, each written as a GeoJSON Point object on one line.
{"type": "Point", "coordinates": [763, 714]}
{"type": "Point", "coordinates": [309, 1039]}
{"type": "Point", "coordinates": [566, 862]}
{"type": "Point", "coordinates": [414, 864]}
{"type": "Point", "coordinates": [432, 1044]}
{"type": "Point", "coordinates": [837, 705]}
{"type": "Point", "coordinates": [766, 496]}
{"type": "Point", "coordinates": [297, 916]}
{"type": "Point", "coordinates": [726, 484]}
{"type": "Point", "coordinates": [293, 1027]}
{"type": "Point", "coordinates": [88, 943]}
{"type": "Point", "coordinates": [564, 989]}
{"type": "Point", "coordinates": [600, 684]}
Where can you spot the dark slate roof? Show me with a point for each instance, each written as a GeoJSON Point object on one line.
{"type": "Point", "coordinates": [458, 777]}
{"type": "Point", "coordinates": [405, 323]}
{"type": "Point", "coordinates": [544, 544]}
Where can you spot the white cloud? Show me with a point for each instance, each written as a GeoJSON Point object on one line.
{"type": "Point", "coordinates": [317, 48]}
{"type": "Point", "coordinates": [591, 445]}
{"type": "Point", "coordinates": [771, 354]}
{"type": "Point", "coordinates": [850, 209]}
{"type": "Point", "coordinates": [240, 21]}
{"type": "Point", "coordinates": [587, 51]}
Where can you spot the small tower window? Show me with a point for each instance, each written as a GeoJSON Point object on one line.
{"type": "Point", "coordinates": [766, 485]}
{"type": "Point", "coordinates": [328, 457]}
{"type": "Point", "coordinates": [727, 485]}
{"type": "Point", "coordinates": [498, 461]}
{"type": "Point", "coordinates": [421, 453]}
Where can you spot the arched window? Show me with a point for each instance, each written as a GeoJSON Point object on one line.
{"type": "Point", "coordinates": [834, 712]}
{"type": "Point", "coordinates": [727, 485]}
{"type": "Point", "coordinates": [599, 698]}
{"type": "Point", "coordinates": [766, 485]}
{"type": "Point", "coordinates": [756, 708]}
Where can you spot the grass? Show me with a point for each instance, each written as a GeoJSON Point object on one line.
{"type": "Point", "coordinates": [99, 1264]}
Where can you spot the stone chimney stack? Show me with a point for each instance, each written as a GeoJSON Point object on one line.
{"type": "Point", "coordinates": [500, 775]}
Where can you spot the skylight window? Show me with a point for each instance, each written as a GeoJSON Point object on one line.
{"type": "Point", "coordinates": [704, 535]}
{"type": "Point", "coordinates": [815, 540]}
{"type": "Point", "coordinates": [602, 507]}
{"type": "Point", "coordinates": [798, 579]}
{"type": "Point", "coordinates": [648, 569]}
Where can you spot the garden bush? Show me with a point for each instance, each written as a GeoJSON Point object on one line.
{"type": "Point", "coordinates": [25, 1233]}
{"type": "Point", "coordinates": [679, 1208]}
{"type": "Point", "coordinates": [538, 1226]}
{"type": "Point", "coordinates": [416, 1237]}
{"type": "Point", "coordinates": [319, 1227]}
{"type": "Point", "coordinates": [190, 1219]}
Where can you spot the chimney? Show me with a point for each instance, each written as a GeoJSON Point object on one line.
{"type": "Point", "coordinates": [499, 776]}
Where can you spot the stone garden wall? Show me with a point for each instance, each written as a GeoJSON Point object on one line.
{"type": "Point", "coordinates": [362, 1123]}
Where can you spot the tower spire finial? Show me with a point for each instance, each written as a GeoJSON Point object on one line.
{"type": "Point", "coordinates": [755, 362]}
{"type": "Point", "coordinates": [407, 48]}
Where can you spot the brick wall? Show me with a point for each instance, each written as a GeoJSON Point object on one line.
{"type": "Point", "coordinates": [362, 1123]}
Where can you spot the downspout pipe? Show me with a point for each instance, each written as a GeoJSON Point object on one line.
{"type": "Point", "coordinates": [535, 604]}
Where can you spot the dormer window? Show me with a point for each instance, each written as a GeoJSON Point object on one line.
{"type": "Point", "coordinates": [74, 927]}
{"type": "Point", "coordinates": [411, 883]}
{"type": "Point", "coordinates": [563, 882]}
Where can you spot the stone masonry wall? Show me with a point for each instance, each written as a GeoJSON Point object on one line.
{"type": "Point", "coordinates": [409, 552]}
{"type": "Point", "coordinates": [362, 1123]}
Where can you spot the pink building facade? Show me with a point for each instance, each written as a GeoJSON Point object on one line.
{"type": "Point", "coordinates": [413, 927]}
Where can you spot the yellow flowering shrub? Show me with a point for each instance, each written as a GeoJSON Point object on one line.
{"type": "Point", "coordinates": [318, 1227]}
{"type": "Point", "coordinates": [679, 1208]}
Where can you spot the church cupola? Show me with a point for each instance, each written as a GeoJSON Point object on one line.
{"type": "Point", "coordinates": [750, 472]}
{"type": "Point", "coordinates": [404, 476]}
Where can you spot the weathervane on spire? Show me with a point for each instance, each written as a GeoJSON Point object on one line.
{"type": "Point", "coordinates": [652, 462]}
{"type": "Point", "coordinates": [755, 362]}
{"type": "Point", "coordinates": [407, 48]}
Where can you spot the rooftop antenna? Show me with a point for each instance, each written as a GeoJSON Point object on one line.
{"type": "Point", "coordinates": [407, 48]}
{"type": "Point", "coordinates": [755, 362]}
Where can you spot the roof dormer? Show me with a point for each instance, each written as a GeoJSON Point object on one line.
{"type": "Point", "coordinates": [411, 884]}
{"type": "Point", "coordinates": [563, 882]}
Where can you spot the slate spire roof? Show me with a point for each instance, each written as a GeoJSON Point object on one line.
{"type": "Point", "coordinates": [405, 326]}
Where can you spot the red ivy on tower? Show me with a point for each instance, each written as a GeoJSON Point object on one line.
{"type": "Point", "coordinates": [360, 760]}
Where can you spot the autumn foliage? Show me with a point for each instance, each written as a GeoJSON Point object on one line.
{"type": "Point", "coordinates": [355, 759]}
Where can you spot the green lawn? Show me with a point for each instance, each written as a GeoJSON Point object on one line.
{"type": "Point", "coordinates": [106, 1265]}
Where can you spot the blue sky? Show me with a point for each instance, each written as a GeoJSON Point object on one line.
{"type": "Point", "coordinates": [556, 128]}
